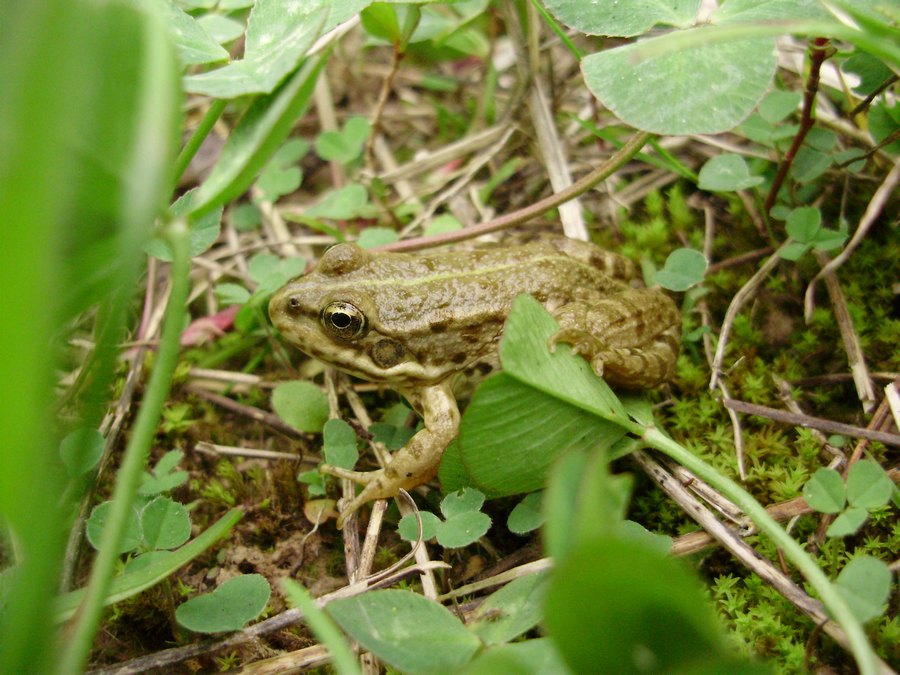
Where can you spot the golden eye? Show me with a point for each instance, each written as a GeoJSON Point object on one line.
{"type": "Point", "coordinates": [344, 320]}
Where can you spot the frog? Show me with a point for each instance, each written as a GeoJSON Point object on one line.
{"type": "Point", "coordinates": [428, 325]}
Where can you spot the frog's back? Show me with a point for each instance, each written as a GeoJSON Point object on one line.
{"type": "Point", "coordinates": [458, 288]}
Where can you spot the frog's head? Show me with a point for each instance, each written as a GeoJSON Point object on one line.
{"type": "Point", "coordinates": [333, 314]}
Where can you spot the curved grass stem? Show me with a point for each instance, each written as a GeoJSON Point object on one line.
{"type": "Point", "coordinates": [836, 605]}
{"type": "Point", "coordinates": [81, 635]}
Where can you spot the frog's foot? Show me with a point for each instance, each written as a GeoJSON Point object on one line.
{"type": "Point", "coordinates": [380, 484]}
{"type": "Point", "coordinates": [640, 367]}
{"type": "Point", "coordinates": [361, 477]}
{"type": "Point", "coordinates": [417, 461]}
{"type": "Point", "coordinates": [583, 343]}
{"type": "Point", "coordinates": [376, 485]}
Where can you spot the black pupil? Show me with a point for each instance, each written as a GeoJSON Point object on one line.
{"type": "Point", "coordinates": [340, 320]}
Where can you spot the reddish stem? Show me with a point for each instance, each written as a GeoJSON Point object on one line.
{"type": "Point", "coordinates": [817, 57]}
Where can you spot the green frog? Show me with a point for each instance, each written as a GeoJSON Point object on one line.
{"type": "Point", "coordinates": [428, 325]}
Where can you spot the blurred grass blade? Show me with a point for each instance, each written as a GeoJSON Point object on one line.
{"type": "Point", "coordinates": [73, 127]}
{"type": "Point", "coordinates": [71, 80]}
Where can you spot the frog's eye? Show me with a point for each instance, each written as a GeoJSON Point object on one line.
{"type": "Point", "coordinates": [344, 320]}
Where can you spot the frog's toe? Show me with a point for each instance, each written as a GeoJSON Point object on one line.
{"type": "Point", "coordinates": [582, 342]}
{"type": "Point", "coordinates": [361, 477]}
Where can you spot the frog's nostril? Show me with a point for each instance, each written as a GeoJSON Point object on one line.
{"type": "Point", "coordinates": [293, 304]}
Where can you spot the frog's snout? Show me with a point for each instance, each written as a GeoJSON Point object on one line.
{"type": "Point", "coordinates": [285, 305]}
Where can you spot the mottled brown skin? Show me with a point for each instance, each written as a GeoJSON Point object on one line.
{"type": "Point", "coordinates": [429, 324]}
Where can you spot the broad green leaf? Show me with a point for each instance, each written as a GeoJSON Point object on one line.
{"type": "Point", "coordinates": [350, 201]}
{"type": "Point", "coordinates": [512, 611]}
{"type": "Point", "coordinates": [408, 528]}
{"type": "Point", "coordinates": [165, 524]}
{"type": "Point", "coordinates": [195, 44]}
{"type": "Point", "coordinates": [868, 485]}
{"type": "Point", "coordinates": [441, 224]}
{"type": "Point", "coordinates": [703, 88]}
{"type": "Point", "coordinates": [245, 217]}
{"type": "Point", "coordinates": [624, 18]}
{"type": "Point", "coordinates": [824, 492]}
{"type": "Point", "coordinates": [345, 145]}
{"type": "Point", "coordinates": [661, 543]}
{"type": "Point", "coordinates": [684, 268]}
{"type": "Point", "coordinates": [164, 477]}
{"type": "Point", "coordinates": [872, 72]}
{"type": "Point", "coordinates": [452, 474]}
{"type": "Point", "coordinates": [256, 138]}
{"type": "Point", "coordinates": [97, 521]}
{"type": "Point", "coordinates": [230, 607]}
{"type": "Point", "coordinates": [463, 529]}
{"type": "Point", "coordinates": [301, 404]}
{"type": "Point", "coordinates": [602, 500]}
{"type": "Point", "coordinates": [526, 516]}
{"type": "Point", "coordinates": [460, 502]}
{"type": "Point", "coordinates": [279, 33]}
{"type": "Point", "coordinates": [727, 173]}
{"type": "Point", "coordinates": [793, 250]}
{"type": "Point", "coordinates": [380, 20]}
{"type": "Point", "coordinates": [560, 503]}
{"type": "Point", "coordinates": [81, 450]}
{"type": "Point", "coordinates": [232, 294]}
{"type": "Point", "coordinates": [511, 433]}
{"type": "Point", "coordinates": [274, 183]}
{"type": "Point", "coordinates": [528, 657]}
{"type": "Point", "coordinates": [848, 522]}
{"type": "Point", "coordinates": [741, 11]}
{"type": "Point", "coordinates": [803, 223]}
{"type": "Point", "coordinates": [393, 437]}
{"type": "Point", "coordinates": [524, 354]}
{"type": "Point", "coordinates": [779, 104]}
{"type": "Point", "coordinates": [884, 121]}
{"type": "Point", "coordinates": [647, 607]}
{"type": "Point", "coordinates": [809, 164]}
{"type": "Point", "coordinates": [339, 442]}
{"type": "Point", "coordinates": [376, 236]}
{"type": "Point", "coordinates": [406, 631]}
{"type": "Point", "coordinates": [271, 272]}
{"type": "Point", "coordinates": [131, 584]}
{"type": "Point", "coordinates": [821, 139]}
{"type": "Point", "coordinates": [314, 481]}
{"type": "Point", "coordinates": [168, 462]}
{"type": "Point", "coordinates": [865, 584]}
{"type": "Point", "coordinates": [220, 28]}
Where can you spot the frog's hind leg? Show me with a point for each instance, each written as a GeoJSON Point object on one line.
{"type": "Point", "coordinates": [417, 461]}
{"type": "Point", "coordinates": [630, 338]}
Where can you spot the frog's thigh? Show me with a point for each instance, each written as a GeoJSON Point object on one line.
{"type": "Point", "coordinates": [631, 338]}
{"type": "Point", "coordinates": [417, 461]}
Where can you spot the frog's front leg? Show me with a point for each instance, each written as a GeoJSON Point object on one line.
{"type": "Point", "coordinates": [417, 461]}
{"type": "Point", "coordinates": [631, 338]}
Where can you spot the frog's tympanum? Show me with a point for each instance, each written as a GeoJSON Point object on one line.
{"type": "Point", "coordinates": [427, 325]}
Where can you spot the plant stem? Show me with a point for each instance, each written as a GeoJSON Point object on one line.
{"type": "Point", "coordinates": [817, 57]}
{"type": "Point", "coordinates": [196, 140]}
{"type": "Point", "coordinates": [862, 650]}
{"type": "Point", "coordinates": [582, 185]}
{"type": "Point", "coordinates": [78, 647]}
